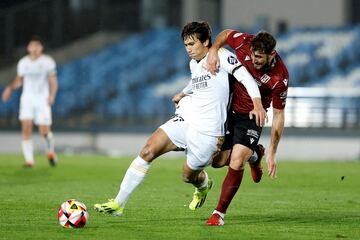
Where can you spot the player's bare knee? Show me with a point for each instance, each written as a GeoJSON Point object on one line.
{"type": "Point", "coordinates": [147, 153]}
{"type": "Point", "coordinates": [217, 165]}
{"type": "Point", "coordinates": [221, 159]}
{"type": "Point", "coordinates": [43, 133]}
{"type": "Point", "coordinates": [220, 163]}
{"type": "Point", "coordinates": [26, 130]}
{"type": "Point", "coordinates": [237, 164]}
{"type": "Point", "coordinates": [188, 179]}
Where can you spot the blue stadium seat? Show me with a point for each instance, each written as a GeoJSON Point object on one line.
{"type": "Point", "coordinates": [122, 80]}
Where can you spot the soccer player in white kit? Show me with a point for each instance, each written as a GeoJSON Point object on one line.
{"type": "Point", "coordinates": [201, 131]}
{"type": "Point", "coordinates": [36, 72]}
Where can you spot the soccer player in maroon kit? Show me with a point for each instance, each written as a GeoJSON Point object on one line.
{"type": "Point", "coordinates": [257, 53]}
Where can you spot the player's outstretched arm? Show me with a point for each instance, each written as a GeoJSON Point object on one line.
{"type": "Point", "coordinates": [11, 87]}
{"type": "Point", "coordinates": [213, 61]}
{"type": "Point", "coordinates": [243, 76]}
{"type": "Point", "coordinates": [186, 91]}
{"type": "Point", "coordinates": [176, 99]}
{"type": "Point", "coordinates": [276, 132]}
{"type": "Point", "coordinates": [259, 112]}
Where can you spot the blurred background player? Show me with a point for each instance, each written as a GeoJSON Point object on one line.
{"type": "Point", "coordinates": [257, 53]}
{"type": "Point", "coordinates": [36, 72]}
{"type": "Point", "coordinates": [201, 133]}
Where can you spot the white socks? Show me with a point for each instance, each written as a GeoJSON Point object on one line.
{"type": "Point", "coordinates": [204, 183]}
{"type": "Point", "coordinates": [49, 142]}
{"type": "Point", "coordinates": [132, 179]}
{"type": "Point", "coordinates": [28, 150]}
{"type": "Point", "coordinates": [222, 215]}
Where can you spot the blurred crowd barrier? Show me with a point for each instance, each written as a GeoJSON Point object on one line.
{"type": "Point", "coordinates": [299, 145]}
{"type": "Point", "coordinates": [316, 107]}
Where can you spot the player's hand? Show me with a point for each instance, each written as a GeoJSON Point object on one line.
{"type": "Point", "coordinates": [260, 116]}
{"type": "Point", "coordinates": [213, 61]}
{"type": "Point", "coordinates": [176, 99]}
{"type": "Point", "coordinates": [6, 94]}
{"type": "Point", "coordinates": [51, 100]}
{"type": "Point", "coordinates": [271, 166]}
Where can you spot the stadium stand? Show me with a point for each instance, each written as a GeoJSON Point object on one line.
{"type": "Point", "coordinates": [110, 80]}
{"type": "Point", "coordinates": [134, 78]}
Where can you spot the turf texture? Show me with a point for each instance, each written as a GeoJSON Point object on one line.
{"type": "Point", "coordinates": [308, 200]}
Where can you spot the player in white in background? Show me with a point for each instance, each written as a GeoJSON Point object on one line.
{"type": "Point", "coordinates": [36, 72]}
{"type": "Point", "coordinates": [201, 132]}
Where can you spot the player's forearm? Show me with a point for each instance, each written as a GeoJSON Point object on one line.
{"type": "Point", "coordinates": [188, 89]}
{"type": "Point", "coordinates": [243, 76]}
{"type": "Point", "coordinates": [221, 39]}
{"type": "Point", "coordinates": [15, 84]}
{"type": "Point", "coordinates": [53, 86]}
{"type": "Point", "coordinates": [276, 130]}
{"type": "Point", "coordinates": [257, 103]}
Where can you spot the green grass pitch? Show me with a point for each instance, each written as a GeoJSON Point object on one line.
{"type": "Point", "coordinates": [308, 200]}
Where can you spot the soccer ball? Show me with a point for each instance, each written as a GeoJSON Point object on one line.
{"type": "Point", "coordinates": [73, 214]}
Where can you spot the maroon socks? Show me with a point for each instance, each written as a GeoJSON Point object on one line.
{"type": "Point", "coordinates": [229, 188]}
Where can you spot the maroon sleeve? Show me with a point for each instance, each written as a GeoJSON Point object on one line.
{"type": "Point", "coordinates": [279, 94]}
{"type": "Point", "coordinates": [236, 38]}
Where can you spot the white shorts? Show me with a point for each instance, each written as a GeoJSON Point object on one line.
{"type": "Point", "coordinates": [37, 110]}
{"type": "Point", "coordinates": [200, 149]}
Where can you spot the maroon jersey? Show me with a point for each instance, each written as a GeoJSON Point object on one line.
{"type": "Point", "coordinates": [273, 84]}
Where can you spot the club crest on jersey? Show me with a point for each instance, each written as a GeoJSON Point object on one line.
{"type": "Point", "coordinates": [264, 78]}
{"type": "Point", "coordinates": [232, 60]}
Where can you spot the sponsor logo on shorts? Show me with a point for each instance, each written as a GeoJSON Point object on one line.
{"type": "Point", "coordinates": [252, 133]}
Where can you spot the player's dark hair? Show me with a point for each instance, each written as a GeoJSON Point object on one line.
{"type": "Point", "coordinates": [36, 38]}
{"type": "Point", "coordinates": [263, 42]}
{"type": "Point", "coordinates": [201, 30]}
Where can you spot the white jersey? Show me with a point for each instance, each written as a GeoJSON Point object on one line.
{"type": "Point", "coordinates": [35, 75]}
{"type": "Point", "coordinates": [210, 94]}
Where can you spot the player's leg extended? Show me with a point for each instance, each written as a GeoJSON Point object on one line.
{"type": "Point", "coordinates": [49, 139]}
{"type": "Point", "coordinates": [158, 144]}
{"type": "Point", "coordinates": [223, 158]}
{"type": "Point", "coordinates": [27, 144]}
{"type": "Point", "coordinates": [201, 151]}
{"type": "Point", "coordinates": [240, 154]}
{"type": "Point", "coordinates": [43, 119]}
{"type": "Point", "coordinates": [202, 183]}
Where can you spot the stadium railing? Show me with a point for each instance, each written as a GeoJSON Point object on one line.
{"type": "Point", "coordinates": [322, 108]}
